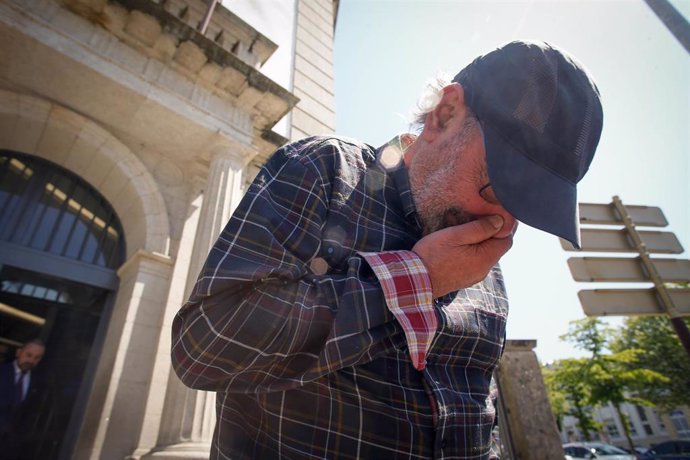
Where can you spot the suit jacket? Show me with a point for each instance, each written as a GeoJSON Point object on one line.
{"type": "Point", "coordinates": [13, 416]}
{"type": "Point", "coordinates": [7, 395]}
{"type": "Point", "coordinates": [17, 420]}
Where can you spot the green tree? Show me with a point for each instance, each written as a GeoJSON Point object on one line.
{"type": "Point", "coordinates": [611, 377]}
{"type": "Point", "coordinates": [657, 348]}
{"type": "Point", "coordinates": [568, 394]}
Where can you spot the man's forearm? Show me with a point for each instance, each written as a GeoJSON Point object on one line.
{"type": "Point", "coordinates": [279, 333]}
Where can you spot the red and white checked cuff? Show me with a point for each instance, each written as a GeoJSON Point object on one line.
{"type": "Point", "coordinates": [407, 290]}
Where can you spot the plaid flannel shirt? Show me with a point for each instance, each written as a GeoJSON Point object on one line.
{"type": "Point", "coordinates": [314, 322]}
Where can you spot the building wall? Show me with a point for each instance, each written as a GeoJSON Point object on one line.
{"type": "Point", "coordinates": [648, 426]}
{"type": "Point", "coordinates": [277, 20]}
{"type": "Point", "coordinates": [313, 74]}
{"type": "Point", "coordinates": [303, 63]}
{"type": "Point", "coordinates": [168, 125]}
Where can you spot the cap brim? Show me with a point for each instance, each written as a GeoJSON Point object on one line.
{"type": "Point", "coordinates": [531, 193]}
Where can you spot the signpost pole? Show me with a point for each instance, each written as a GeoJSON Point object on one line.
{"type": "Point", "coordinates": [667, 303]}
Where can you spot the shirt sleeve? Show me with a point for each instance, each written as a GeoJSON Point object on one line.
{"type": "Point", "coordinates": [259, 318]}
{"type": "Point", "coordinates": [408, 293]}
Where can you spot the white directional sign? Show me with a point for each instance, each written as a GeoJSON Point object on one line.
{"type": "Point", "coordinates": [615, 269]}
{"type": "Point", "coordinates": [626, 302]}
{"type": "Point", "coordinates": [645, 216]}
{"type": "Point", "coordinates": [662, 299]}
{"type": "Point", "coordinates": [605, 240]}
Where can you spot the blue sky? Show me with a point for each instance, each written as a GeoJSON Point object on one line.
{"type": "Point", "coordinates": [386, 50]}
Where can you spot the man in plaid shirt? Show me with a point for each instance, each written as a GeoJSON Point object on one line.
{"type": "Point", "coordinates": [353, 306]}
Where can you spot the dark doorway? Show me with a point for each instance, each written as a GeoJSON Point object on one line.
{"type": "Point", "coordinates": [60, 243]}
{"type": "Point", "coordinates": [67, 325]}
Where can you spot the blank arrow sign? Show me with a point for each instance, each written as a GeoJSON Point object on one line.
{"type": "Point", "coordinates": [626, 269]}
{"type": "Point", "coordinates": [604, 240]}
{"type": "Point", "coordinates": [646, 216]}
{"type": "Point", "coordinates": [625, 302]}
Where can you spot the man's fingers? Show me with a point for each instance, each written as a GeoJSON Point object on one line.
{"type": "Point", "coordinates": [487, 254]}
{"type": "Point", "coordinates": [460, 256]}
{"type": "Point", "coordinates": [494, 248]}
{"type": "Point", "coordinates": [477, 230]}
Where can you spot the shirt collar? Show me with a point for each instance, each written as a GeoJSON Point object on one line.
{"type": "Point", "coordinates": [17, 370]}
{"type": "Point", "coordinates": [390, 158]}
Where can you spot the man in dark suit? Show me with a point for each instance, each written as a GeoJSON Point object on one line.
{"type": "Point", "coordinates": [18, 387]}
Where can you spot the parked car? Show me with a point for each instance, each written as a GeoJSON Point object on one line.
{"type": "Point", "coordinates": [594, 450]}
{"type": "Point", "coordinates": [669, 450]}
{"type": "Point", "coordinates": [638, 452]}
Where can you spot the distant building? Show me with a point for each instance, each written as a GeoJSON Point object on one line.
{"type": "Point", "coordinates": [647, 426]}
{"type": "Point", "coordinates": [126, 140]}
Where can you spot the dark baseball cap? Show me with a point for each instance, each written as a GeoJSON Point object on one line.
{"type": "Point", "coordinates": [541, 116]}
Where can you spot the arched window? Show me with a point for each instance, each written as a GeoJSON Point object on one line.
{"type": "Point", "coordinates": [50, 209]}
{"type": "Point", "coordinates": [60, 245]}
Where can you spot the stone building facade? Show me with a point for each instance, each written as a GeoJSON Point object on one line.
{"type": "Point", "coordinates": [648, 425]}
{"type": "Point", "coordinates": [127, 137]}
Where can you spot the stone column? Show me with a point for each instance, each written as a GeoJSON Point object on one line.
{"type": "Point", "coordinates": [526, 422]}
{"type": "Point", "coordinates": [186, 423]}
{"type": "Point", "coordinates": [116, 409]}
{"type": "Point", "coordinates": [161, 375]}
{"type": "Point", "coordinates": [222, 194]}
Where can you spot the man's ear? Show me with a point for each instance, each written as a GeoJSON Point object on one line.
{"type": "Point", "coordinates": [451, 107]}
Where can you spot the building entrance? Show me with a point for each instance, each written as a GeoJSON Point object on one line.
{"type": "Point", "coordinates": [60, 244]}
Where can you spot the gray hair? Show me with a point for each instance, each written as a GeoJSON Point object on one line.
{"type": "Point", "coordinates": [429, 99]}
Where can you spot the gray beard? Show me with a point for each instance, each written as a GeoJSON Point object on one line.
{"type": "Point", "coordinates": [449, 218]}
{"type": "Point", "coordinates": [430, 200]}
{"type": "Point", "coordinates": [429, 176]}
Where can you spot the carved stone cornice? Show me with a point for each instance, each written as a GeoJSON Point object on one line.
{"type": "Point", "coordinates": [155, 31]}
